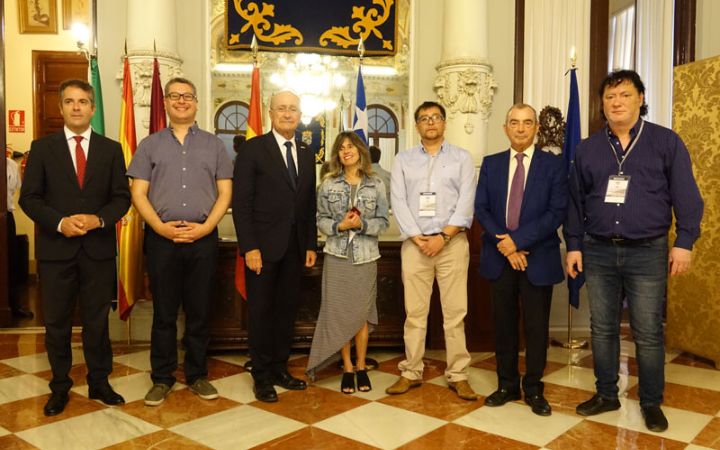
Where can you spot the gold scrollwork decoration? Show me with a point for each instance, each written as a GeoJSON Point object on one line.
{"type": "Point", "coordinates": [368, 22]}
{"type": "Point", "coordinates": [256, 18]}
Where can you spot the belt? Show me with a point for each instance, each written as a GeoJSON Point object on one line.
{"type": "Point", "coordinates": [624, 242]}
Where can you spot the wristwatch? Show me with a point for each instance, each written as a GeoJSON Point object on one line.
{"type": "Point", "coordinates": [446, 237]}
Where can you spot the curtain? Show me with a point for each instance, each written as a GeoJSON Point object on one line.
{"type": "Point", "coordinates": [552, 28]}
{"type": "Point", "coordinates": [654, 57]}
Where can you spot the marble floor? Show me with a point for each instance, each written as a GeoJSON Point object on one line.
{"type": "Point", "coordinates": [429, 417]}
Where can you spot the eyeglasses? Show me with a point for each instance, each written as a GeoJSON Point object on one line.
{"type": "Point", "coordinates": [175, 96]}
{"type": "Point", "coordinates": [284, 109]}
{"type": "Point", "coordinates": [434, 118]}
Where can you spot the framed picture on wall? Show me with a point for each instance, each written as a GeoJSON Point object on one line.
{"type": "Point", "coordinates": [37, 16]}
{"type": "Point", "coordinates": [75, 11]}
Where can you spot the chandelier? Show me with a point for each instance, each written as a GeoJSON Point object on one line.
{"type": "Point", "coordinates": [314, 78]}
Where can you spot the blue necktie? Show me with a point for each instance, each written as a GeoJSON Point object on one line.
{"type": "Point", "coordinates": [291, 164]}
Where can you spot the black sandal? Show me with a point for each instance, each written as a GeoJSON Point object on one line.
{"type": "Point", "coordinates": [347, 385]}
{"type": "Point", "coordinates": [363, 382]}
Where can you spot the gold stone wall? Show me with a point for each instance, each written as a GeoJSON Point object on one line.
{"type": "Point", "coordinates": [693, 322]}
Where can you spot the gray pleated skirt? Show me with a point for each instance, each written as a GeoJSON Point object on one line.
{"type": "Point", "coordinates": [349, 294]}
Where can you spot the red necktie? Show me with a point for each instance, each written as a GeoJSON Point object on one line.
{"type": "Point", "coordinates": [80, 160]}
{"type": "Point", "coordinates": [517, 189]}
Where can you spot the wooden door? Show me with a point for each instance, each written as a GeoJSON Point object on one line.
{"type": "Point", "coordinates": [49, 70]}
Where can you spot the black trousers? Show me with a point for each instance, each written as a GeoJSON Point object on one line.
{"type": "Point", "coordinates": [180, 275]}
{"type": "Point", "coordinates": [13, 264]}
{"type": "Point", "coordinates": [273, 300]}
{"type": "Point", "coordinates": [535, 300]}
{"type": "Point", "coordinates": [62, 283]}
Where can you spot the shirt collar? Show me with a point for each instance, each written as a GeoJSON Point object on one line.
{"type": "Point", "coordinates": [281, 140]}
{"type": "Point", "coordinates": [527, 152]}
{"type": "Point", "coordinates": [442, 147]}
{"type": "Point", "coordinates": [69, 134]}
{"type": "Point", "coordinates": [633, 131]}
{"type": "Point", "coordinates": [193, 129]}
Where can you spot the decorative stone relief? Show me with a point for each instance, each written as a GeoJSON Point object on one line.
{"type": "Point", "coordinates": [466, 88]}
{"type": "Point", "coordinates": [141, 73]}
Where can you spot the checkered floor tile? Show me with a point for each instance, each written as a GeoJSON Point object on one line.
{"type": "Point", "coordinates": [429, 417]}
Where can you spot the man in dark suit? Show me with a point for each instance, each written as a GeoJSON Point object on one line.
{"type": "Point", "coordinates": [520, 202]}
{"type": "Point", "coordinates": [274, 214]}
{"type": "Point", "coordinates": [75, 190]}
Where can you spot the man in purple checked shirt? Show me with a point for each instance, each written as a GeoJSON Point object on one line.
{"type": "Point", "coordinates": [627, 181]}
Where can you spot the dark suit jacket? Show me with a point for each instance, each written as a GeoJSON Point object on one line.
{"type": "Point", "coordinates": [543, 211]}
{"type": "Point", "coordinates": [50, 191]}
{"type": "Point", "coordinates": [265, 206]}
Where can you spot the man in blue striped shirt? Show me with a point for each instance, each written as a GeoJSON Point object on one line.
{"type": "Point", "coordinates": [627, 181]}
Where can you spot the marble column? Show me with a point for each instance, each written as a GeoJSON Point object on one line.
{"type": "Point", "coordinates": [144, 42]}
{"type": "Point", "coordinates": [465, 84]}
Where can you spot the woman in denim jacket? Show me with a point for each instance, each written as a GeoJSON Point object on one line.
{"type": "Point", "coordinates": [352, 209]}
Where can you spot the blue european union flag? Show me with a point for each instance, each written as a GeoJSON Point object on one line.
{"type": "Point", "coordinates": [572, 138]}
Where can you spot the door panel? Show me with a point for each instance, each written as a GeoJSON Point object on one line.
{"type": "Point", "coordinates": [49, 70]}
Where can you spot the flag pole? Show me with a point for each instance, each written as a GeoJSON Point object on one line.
{"type": "Point", "coordinates": [570, 343]}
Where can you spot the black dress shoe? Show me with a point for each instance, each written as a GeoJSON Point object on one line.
{"type": "Point", "coordinates": [500, 397]}
{"type": "Point", "coordinates": [56, 403]}
{"type": "Point", "coordinates": [265, 392]}
{"type": "Point", "coordinates": [288, 381]}
{"type": "Point", "coordinates": [106, 395]}
{"type": "Point", "coordinates": [538, 404]}
{"type": "Point", "coordinates": [596, 405]}
{"type": "Point", "coordinates": [654, 418]}
{"type": "Point", "coordinates": [22, 313]}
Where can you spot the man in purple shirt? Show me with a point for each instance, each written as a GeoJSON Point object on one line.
{"type": "Point", "coordinates": [627, 181]}
{"type": "Point", "coordinates": [182, 184]}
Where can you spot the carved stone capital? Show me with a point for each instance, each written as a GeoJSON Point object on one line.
{"type": "Point", "coordinates": [466, 87]}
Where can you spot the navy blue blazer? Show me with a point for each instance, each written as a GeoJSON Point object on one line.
{"type": "Point", "coordinates": [543, 210]}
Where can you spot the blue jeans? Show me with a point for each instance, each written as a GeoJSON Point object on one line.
{"type": "Point", "coordinates": [640, 273]}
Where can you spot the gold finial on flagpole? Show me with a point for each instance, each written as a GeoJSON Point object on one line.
{"type": "Point", "coordinates": [254, 50]}
{"type": "Point", "coordinates": [573, 58]}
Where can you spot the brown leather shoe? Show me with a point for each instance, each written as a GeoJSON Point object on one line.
{"type": "Point", "coordinates": [463, 390]}
{"type": "Point", "coordinates": [402, 385]}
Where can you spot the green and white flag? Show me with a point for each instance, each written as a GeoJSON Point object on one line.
{"type": "Point", "coordinates": [98, 120]}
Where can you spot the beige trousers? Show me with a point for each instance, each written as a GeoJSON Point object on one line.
{"type": "Point", "coordinates": [450, 267]}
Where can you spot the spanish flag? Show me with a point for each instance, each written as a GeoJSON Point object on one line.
{"type": "Point", "coordinates": [254, 128]}
{"type": "Point", "coordinates": [129, 229]}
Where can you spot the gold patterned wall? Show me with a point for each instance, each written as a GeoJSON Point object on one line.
{"type": "Point", "coordinates": [693, 322]}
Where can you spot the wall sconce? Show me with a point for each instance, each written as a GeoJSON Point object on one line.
{"type": "Point", "coordinates": [81, 33]}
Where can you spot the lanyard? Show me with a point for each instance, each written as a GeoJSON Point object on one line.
{"type": "Point", "coordinates": [619, 161]}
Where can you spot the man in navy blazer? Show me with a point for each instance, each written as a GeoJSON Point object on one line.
{"type": "Point", "coordinates": [274, 215]}
{"type": "Point", "coordinates": [520, 202]}
{"type": "Point", "coordinates": [75, 190]}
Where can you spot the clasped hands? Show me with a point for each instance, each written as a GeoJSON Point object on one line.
{"type": "Point", "coordinates": [79, 224]}
{"type": "Point", "coordinates": [429, 245]}
{"type": "Point", "coordinates": [351, 221]}
{"type": "Point", "coordinates": [182, 232]}
{"type": "Point", "coordinates": [507, 247]}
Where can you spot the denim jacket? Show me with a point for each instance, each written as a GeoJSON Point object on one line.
{"type": "Point", "coordinates": [333, 202]}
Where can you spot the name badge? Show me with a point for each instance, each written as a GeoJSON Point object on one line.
{"type": "Point", "coordinates": [617, 188]}
{"type": "Point", "coordinates": [428, 203]}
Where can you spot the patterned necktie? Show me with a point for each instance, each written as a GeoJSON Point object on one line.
{"type": "Point", "coordinates": [517, 189]}
{"type": "Point", "coordinates": [291, 164]}
{"type": "Point", "coordinates": [80, 160]}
